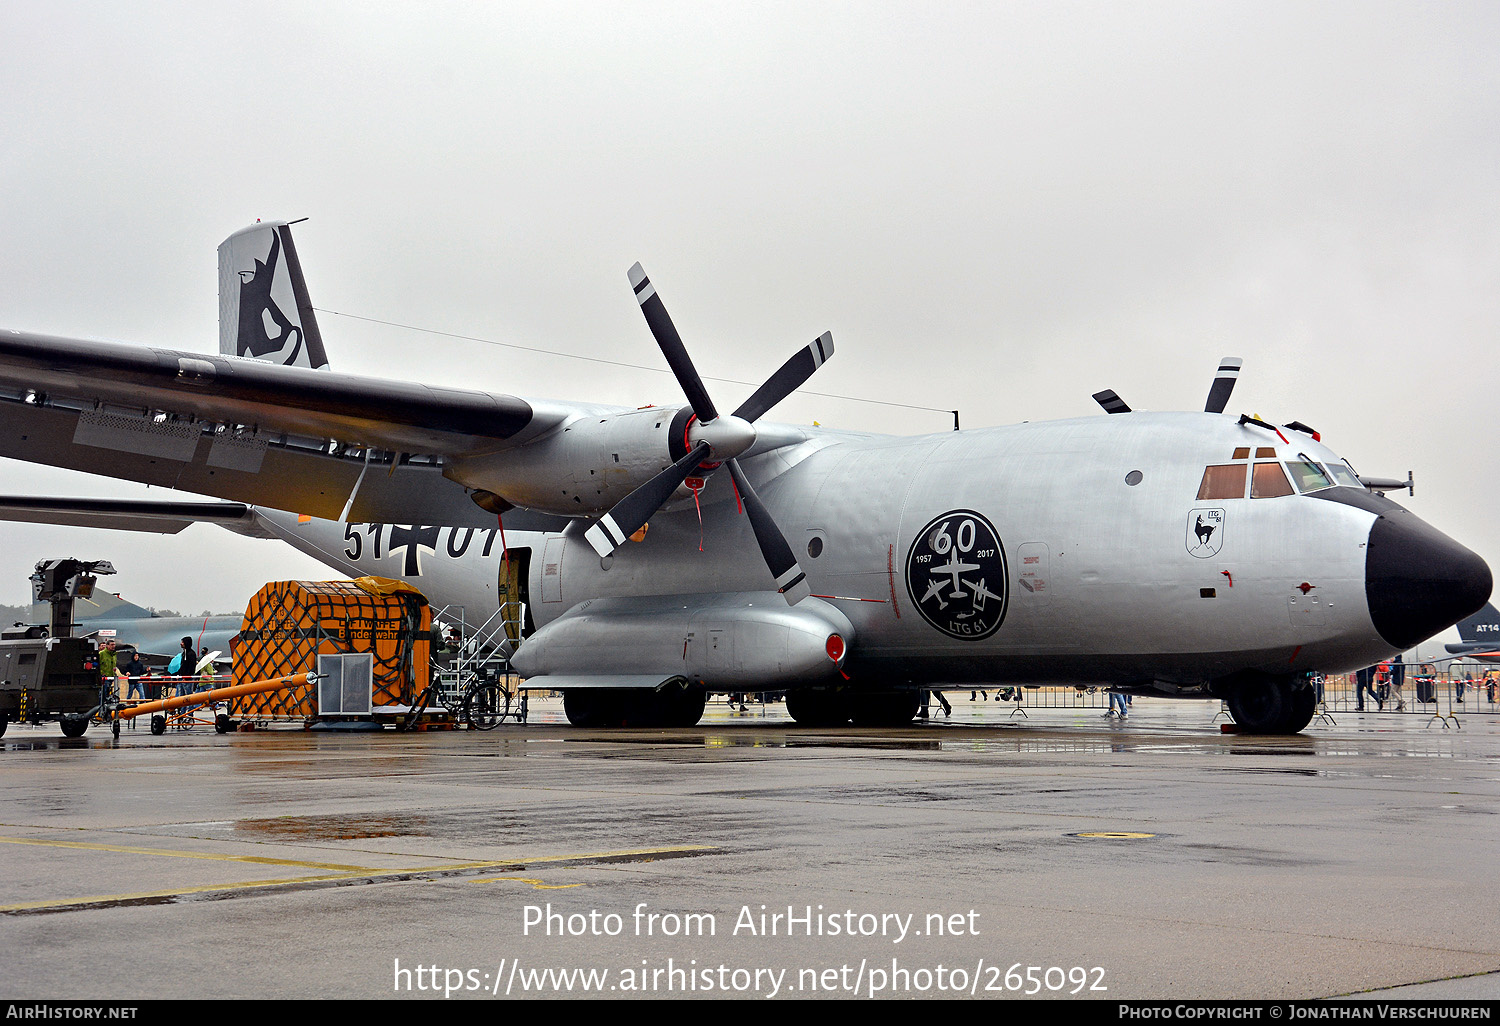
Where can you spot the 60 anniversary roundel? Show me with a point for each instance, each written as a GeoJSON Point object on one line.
{"type": "Point", "coordinates": [956, 574]}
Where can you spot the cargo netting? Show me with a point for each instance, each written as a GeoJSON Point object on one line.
{"type": "Point", "coordinates": [288, 624]}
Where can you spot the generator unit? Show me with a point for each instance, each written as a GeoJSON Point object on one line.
{"type": "Point", "coordinates": [45, 672]}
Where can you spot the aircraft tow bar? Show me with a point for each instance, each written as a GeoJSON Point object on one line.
{"type": "Point", "coordinates": [255, 687]}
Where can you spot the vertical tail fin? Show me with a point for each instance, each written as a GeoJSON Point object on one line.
{"type": "Point", "coordinates": [1483, 626]}
{"type": "Point", "coordinates": [264, 310]}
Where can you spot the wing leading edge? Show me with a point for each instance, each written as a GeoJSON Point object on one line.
{"type": "Point", "coordinates": [335, 446]}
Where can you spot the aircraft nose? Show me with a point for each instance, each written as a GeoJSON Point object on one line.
{"type": "Point", "coordinates": [1418, 580]}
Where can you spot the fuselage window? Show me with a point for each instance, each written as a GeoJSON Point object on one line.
{"type": "Point", "coordinates": [1269, 481]}
{"type": "Point", "coordinates": [1308, 476]}
{"type": "Point", "coordinates": [1225, 481]}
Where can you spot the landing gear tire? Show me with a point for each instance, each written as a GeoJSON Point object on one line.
{"type": "Point", "coordinates": [680, 706]}
{"type": "Point", "coordinates": [816, 707]}
{"type": "Point", "coordinates": [599, 707]}
{"type": "Point", "coordinates": [158, 724]}
{"type": "Point", "coordinates": [74, 726]}
{"type": "Point", "coordinates": [223, 724]}
{"type": "Point", "coordinates": [4, 722]}
{"type": "Point", "coordinates": [885, 709]}
{"type": "Point", "coordinates": [582, 707]}
{"type": "Point", "coordinates": [1278, 705]}
{"type": "Point", "coordinates": [1304, 705]}
{"type": "Point", "coordinates": [673, 706]}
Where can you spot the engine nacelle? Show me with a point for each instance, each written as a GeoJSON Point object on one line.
{"type": "Point", "coordinates": [584, 467]}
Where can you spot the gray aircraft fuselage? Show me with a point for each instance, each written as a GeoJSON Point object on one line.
{"type": "Point", "coordinates": [1072, 552]}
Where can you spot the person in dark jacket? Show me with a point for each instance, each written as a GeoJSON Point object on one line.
{"type": "Point", "coordinates": [186, 667]}
{"type": "Point", "coordinates": [135, 670]}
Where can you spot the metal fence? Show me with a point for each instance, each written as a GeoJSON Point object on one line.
{"type": "Point", "coordinates": [1447, 695]}
{"type": "Point", "coordinates": [1461, 690]}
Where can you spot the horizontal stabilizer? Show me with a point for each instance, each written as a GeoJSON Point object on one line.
{"type": "Point", "coordinates": [144, 515]}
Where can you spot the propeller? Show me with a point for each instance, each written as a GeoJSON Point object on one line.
{"type": "Point", "coordinates": [714, 439]}
{"type": "Point", "coordinates": [1218, 393]}
{"type": "Point", "coordinates": [1111, 402]}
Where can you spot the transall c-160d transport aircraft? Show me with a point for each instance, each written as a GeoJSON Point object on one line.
{"type": "Point", "coordinates": [1184, 554]}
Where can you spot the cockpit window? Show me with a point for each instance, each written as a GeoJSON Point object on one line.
{"type": "Point", "coordinates": [1342, 475]}
{"type": "Point", "coordinates": [1308, 476]}
{"type": "Point", "coordinates": [1269, 481]}
{"type": "Point", "coordinates": [1225, 481]}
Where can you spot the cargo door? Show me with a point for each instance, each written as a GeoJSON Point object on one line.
{"type": "Point", "coordinates": [513, 589]}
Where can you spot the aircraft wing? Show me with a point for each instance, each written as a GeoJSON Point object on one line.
{"type": "Point", "coordinates": [334, 446]}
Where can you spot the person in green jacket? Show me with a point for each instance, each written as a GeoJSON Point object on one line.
{"type": "Point", "coordinates": [108, 662]}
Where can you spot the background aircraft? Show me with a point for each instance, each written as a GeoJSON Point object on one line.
{"type": "Point", "coordinates": [1076, 551]}
{"type": "Point", "coordinates": [156, 638]}
{"type": "Point", "coordinates": [1480, 634]}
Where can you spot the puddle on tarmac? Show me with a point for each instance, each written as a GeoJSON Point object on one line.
{"type": "Point", "coordinates": [356, 826]}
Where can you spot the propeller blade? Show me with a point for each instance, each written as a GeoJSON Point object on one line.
{"type": "Point", "coordinates": [790, 580]}
{"type": "Point", "coordinates": [1111, 402]}
{"type": "Point", "coordinates": [1218, 395]}
{"type": "Point", "coordinates": [787, 379]}
{"type": "Point", "coordinates": [632, 512]}
{"type": "Point", "coordinates": [671, 346]}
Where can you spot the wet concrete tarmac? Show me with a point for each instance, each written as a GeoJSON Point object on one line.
{"type": "Point", "coordinates": [1153, 859]}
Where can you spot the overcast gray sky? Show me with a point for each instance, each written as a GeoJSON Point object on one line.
{"type": "Point", "coordinates": [998, 207]}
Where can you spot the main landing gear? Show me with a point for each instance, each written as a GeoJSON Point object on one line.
{"type": "Point", "coordinates": [1272, 705]}
{"type": "Point", "coordinates": [829, 707]}
{"type": "Point", "coordinates": [676, 705]}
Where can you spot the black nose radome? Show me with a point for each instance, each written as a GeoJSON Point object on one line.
{"type": "Point", "coordinates": [1418, 580]}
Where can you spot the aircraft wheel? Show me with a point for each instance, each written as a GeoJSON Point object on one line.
{"type": "Point", "coordinates": [74, 726]}
{"type": "Point", "coordinates": [885, 709]}
{"type": "Point", "coordinates": [1300, 711]}
{"type": "Point", "coordinates": [1271, 706]}
{"type": "Point", "coordinates": [816, 707]}
{"type": "Point", "coordinates": [223, 724]}
{"type": "Point", "coordinates": [675, 706]}
{"type": "Point", "coordinates": [578, 707]}
{"type": "Point", "coordinates": [158, 724]}
{"type": "Point", "coordinates": [4, 722]}
{"type": "Point", "coordinates": [591, 707]}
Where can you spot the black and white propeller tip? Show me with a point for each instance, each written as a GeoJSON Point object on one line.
{"type": "Point", "coordinates": [1219, 392]}
{"type": "Point", "coordinates": [1111, 402]}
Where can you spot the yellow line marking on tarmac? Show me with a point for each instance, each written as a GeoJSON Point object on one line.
{"type": "Point", "coordinates": [539, 885]}
{"type": "Point", "coordinates": [169, 853]}
{"type": "Point", "coordinates": [348, 873]}
{"type": "Point", "coordinates": [98, 899]}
